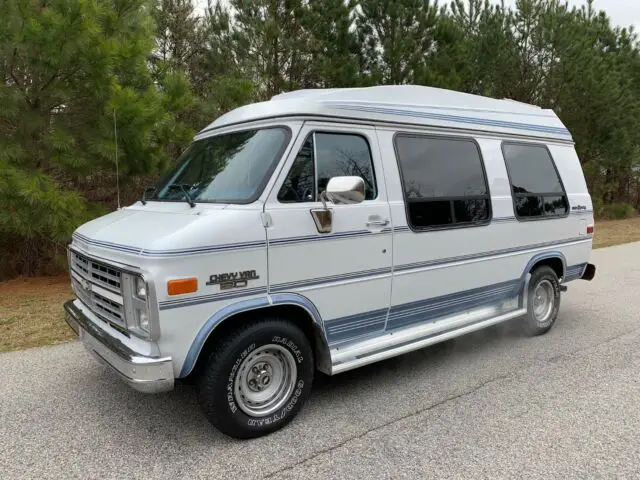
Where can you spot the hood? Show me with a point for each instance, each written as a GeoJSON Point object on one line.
{"type": "Point", "coordinates": [167, 228]}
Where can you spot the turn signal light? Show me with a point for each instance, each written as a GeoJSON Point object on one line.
{"type": "Point", "coordinates": [590, 230]}
{"type": "Point", "coordinates": [182, 285]}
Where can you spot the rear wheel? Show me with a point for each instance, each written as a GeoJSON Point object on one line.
{"type": "Point", "coordinates": [257, 378]}
{"type": "Point", "coordinates": [543, 301]}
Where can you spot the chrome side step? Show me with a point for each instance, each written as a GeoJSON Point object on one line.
{"type": "Point", "coordinates": [391, 344]}
{"type": "Point", "coordinates": [398, 343]}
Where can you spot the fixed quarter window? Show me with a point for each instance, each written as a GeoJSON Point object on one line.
{"type": "Point", "coordinates": [444, 181]}
{"type": "Point", "coordinates": [322, 156]}
{"type": "Point", "coordinates": [535, 183]}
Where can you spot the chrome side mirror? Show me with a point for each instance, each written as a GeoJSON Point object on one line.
{"type": "Point", "coordinates": [345, 190]}
{"type": "Point", "coordinates": [340, 190]}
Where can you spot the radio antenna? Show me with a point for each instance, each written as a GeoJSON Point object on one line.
{"type": "Point", "coordinates": [115, 135]}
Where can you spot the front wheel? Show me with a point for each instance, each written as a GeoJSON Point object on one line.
{"type": "Point", "coordinates": [257, 379]}
{"type": "Point", "coordinates": [543, 301]}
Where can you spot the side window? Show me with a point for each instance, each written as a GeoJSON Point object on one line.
{"type": "Point", "coordinates": [328, 155]}
{"type": "Point", "coordinates": [444, 181]}
{"type": "Point", "coordinates": [299, 186]}
{"type": "Point", "coordinates": [535, 184]}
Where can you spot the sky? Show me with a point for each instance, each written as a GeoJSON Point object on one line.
{"type": "Point", "coordinates": [621, 12]}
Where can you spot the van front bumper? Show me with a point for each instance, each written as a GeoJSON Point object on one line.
{"type": "Point", "coordinates": [142, 373]}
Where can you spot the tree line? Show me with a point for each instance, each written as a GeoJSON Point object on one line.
{"type": "Point", "coordinates": [76, 73]}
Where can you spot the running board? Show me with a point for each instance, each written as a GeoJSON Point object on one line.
{"type": "Point", "coordinates": [404, 341]}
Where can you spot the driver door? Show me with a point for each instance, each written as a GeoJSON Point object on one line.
{"type": "Point", "coordinates": [345, 273]}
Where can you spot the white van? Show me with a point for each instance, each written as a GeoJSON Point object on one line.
{"type": "Point", "coordinates": [325, 230]}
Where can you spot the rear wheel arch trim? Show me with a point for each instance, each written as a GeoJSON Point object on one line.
{"type": "Point", "coordinates": [280, 299]}
{"type": "Point", "coordinates": [546, 256]}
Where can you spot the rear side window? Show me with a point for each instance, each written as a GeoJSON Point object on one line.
{"type": "Point", "coordinates": [327, 155]}
{"type": "Point", "coordinates": [444, 181]}
{"type": "Point", "coordinates": [535, 184]}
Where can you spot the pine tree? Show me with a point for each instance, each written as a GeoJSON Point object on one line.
{"type": "Point", "coordinates": [65, 67]}
{"type": "Point", "coordinates": [332, 44]}
{"type": "Point", "coordinates": [396, 38]}
{"type": "Point", "coordinates": [269, 36]}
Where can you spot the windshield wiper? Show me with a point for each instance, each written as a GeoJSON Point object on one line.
{"type": "Point", "coordinates": [144, 194]}
{"type": "Point", "coordinates": [186, 194]}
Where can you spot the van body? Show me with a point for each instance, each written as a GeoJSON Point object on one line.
{"type": "Point", "coordinates": [326, 230]}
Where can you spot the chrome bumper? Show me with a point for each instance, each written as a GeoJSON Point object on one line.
{"type": "Point", "coordinates": [142, 373]}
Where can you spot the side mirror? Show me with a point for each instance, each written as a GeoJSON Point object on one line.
{"type": "Point", "coordinates": [340, 190]}
{"type": "Point", "coordinates": [345, 190]}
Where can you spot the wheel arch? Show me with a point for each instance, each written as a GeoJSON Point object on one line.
{"type": "Point", "coordinates": [555, 260]}
{"type": "Point", "coordinates": [287, 305]}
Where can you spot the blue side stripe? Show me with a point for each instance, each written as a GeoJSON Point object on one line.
{"type": "Point", "coordinates": [188, 302]}
{"type": "Point", "coordinates": [330, 279]}
{"type": "Point", "coordinates": [262, 243]}
{"type": "Point", "coordinates": [409, 314]}
{"type": "Point", "coordinates": [455, 118]}
{"type": "Point", "coordinates": [476, 256]}
{"type": "Point", "coordinates": [288, 286]}
{"type": "Point", "coordinates": [355, 325]}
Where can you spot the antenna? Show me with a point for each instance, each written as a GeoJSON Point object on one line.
{"type": "Point", "coordinates": [115, 134]}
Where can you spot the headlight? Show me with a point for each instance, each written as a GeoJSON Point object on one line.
{"type": "Point", "coordinates": [141, 288]}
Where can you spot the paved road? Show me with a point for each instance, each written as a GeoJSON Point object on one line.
{"type": "Point", "coordinates": [489, 405]}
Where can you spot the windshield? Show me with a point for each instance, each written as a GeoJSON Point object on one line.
{"type": "Point", "coordinates": [229, 168]}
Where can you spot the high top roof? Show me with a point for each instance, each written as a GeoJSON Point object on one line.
{"type": "Point", "coordinates": [409, 104]}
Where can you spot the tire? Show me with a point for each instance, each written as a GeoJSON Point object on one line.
{"type": "Point", "coordinates": [543, 301]}
{"type": "Point", "coordinates": [257, 378]}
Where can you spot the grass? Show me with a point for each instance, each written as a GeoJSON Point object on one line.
{"type": "Point", "coordinates": [31, 312]}
{"type": "Point", "coordinates": [31, 309]}
{"type": "Point", "coordinates": [615, 232]}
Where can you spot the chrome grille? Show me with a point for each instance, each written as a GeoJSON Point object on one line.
{"type": "Point", "coordinates": [98, 287]}
{"type": "Point", "coordinates": [103, 275]}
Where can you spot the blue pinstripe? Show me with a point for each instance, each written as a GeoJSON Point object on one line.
{"type": "Point", "coordinates": [455, 118]}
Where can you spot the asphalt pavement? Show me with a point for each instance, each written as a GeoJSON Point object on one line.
{"type": "Point", "coordinates": [492, 404]}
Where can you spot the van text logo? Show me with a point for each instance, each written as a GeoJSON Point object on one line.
{"type": "Point", "coordinates": [230, 280]}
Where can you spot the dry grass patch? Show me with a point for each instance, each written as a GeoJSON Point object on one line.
{"type": "Point", "coordinates": [615, 232]}
{"type": "Point", "coordinates": [31, 313]}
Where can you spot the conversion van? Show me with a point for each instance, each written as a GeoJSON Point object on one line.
{"type": "Point", "coordinates": [324, 230]}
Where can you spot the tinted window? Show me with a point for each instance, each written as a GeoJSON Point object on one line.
{"type": "Point", "coordinates": [299, 185]}
{"type": "Point", "coordinates": [434, 167]}
{"type": "Point", "coordinates": [231, 168]}
{"type": "Point", "coordinates": [535, 183]}
{"type": "Point", "coordinates": [444, 181]}
{"type": "Point", "coordinates": [334, 155]}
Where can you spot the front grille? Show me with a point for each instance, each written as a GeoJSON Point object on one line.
{"type": "Point", "coordinates": [98, 273]}
{"type": "Point", "coordinates": [87, 279]}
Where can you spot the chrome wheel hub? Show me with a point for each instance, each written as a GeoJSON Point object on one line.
{"type": "Point", "coordinates": [543, 301]}
{"type": "Point", "coordinates": [265, 380]}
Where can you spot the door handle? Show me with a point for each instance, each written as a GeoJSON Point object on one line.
{"type": "Point", "coordinates": [377, 223]}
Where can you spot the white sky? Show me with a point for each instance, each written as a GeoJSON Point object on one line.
{"type": "Point", "coordinates": [621, 12]}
